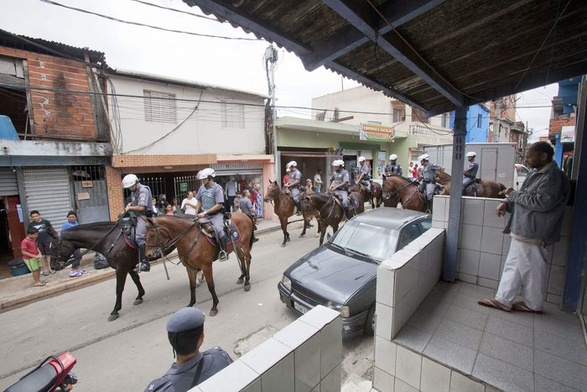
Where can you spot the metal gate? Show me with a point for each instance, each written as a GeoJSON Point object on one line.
{"type": "Point", "coordinates": [182, 185]}
{"type": "Point", "coordinates": [48, 191]}
{"type": "Point", "coordinates": [8, 182]}
{"type": "Point", "coordinates": [91, 194]}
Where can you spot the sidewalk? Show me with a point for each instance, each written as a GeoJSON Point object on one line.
{"type": "Point", "coordinates": [18, 290]}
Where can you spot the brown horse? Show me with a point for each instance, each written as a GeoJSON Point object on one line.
{"type": "Point", "coordinates": [284, 206]}
{"type": "Point", "coordinates": [327, 208]}
{"type": "Point", "coordinates": [197, 252]}
{"type": "Point", "coordinates": [399, 189]}
{"type": "Point", "coordinates": [484, 188]}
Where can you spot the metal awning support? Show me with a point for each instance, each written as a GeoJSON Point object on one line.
{"type": "Point", "coordinates": [449, 272]}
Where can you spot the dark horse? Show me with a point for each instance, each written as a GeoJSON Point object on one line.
{"type": "Point", "coordinates": [196, 252]}
{"type": "Point", "coordinates": [108, 239]}
{"type": "Point", "coordinates": [398, 189]}
{"type": "Point", "coordinates": [327, 209]}
{"type": "Point", "coordinates": [283, 206]}
{"type": "Point", "coordinates": [484, 188]}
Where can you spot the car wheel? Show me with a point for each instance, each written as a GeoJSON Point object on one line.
{"type": "Point", "coordinates": [370, 321]}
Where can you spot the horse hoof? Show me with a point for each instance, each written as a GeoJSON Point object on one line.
{"type": "Point", "coordinates": [239, 281]}
{"type": "Point", "coordinates": [248, 287]}
{"type": "Point", "coordinates": [283, 245]}
{"type": "Point", "coordinates": [113, 317]}
{"type": "Point", "coordinates": [213, 312]}
{"type": "Point", "coordinates": [138, 301]}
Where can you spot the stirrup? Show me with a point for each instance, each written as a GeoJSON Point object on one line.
{"type": "Point", "coordinates": [142, 267]}
{"type": "Point", "coordinates": [222, 255]}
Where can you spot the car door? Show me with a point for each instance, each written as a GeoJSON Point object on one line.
{"type": "Point", "coordinates": [411, 231]}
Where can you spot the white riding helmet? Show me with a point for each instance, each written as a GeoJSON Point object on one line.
{"type": "Point", "coordinates": [393, 157]}
{"type": "Point", "coordinates": [129, 180]}
{"type": "Point", "coordinates": [338, 162]}
{"type": "Point", "coordinates": [424, 157]}
{"type": "Point", "coordinates": [292, 163]}
{"type": "Point", "coordinates": [471, 154]}
{"type": "Point", "coordinates": [361, 159]}
{"type": "Point", "coordinates": [205, 173]}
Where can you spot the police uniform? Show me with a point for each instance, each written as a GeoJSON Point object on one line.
{"type": "Point", "coordinates": [182, 377]}
{"type": "Point", "coordinates": [428, 178]}
{"type": "Point", "coordinates": [141, 197]}
{"type": "Point", "coordinates": [471, 174]}
{"type": "Point", "coordinates": [209, 197]}
{"type": "Point", "coordinates": [295, 190]}
{"type": "Point", "coordinates": [338, 178]}
{"type": "Point", "coordinates": [392, 169]}
{"type": "Point", "coordinates": [365, 170]}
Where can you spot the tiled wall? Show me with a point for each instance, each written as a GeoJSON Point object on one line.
{"type": "Point", "coordinates": [483, 247]}
{"type": "Point", "coordinates": [305, 356]}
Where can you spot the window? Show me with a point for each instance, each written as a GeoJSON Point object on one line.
{"type": "Point", "coordinates": [233, 115]}
{"type": "Point", "coordinates": [444, 120]}
{"type": "Point", "coordinates": [479, 121]}
{"type": "Point", "coordinates": [160, 107]}
{"type": "Point", "coordinates": [398, 111]}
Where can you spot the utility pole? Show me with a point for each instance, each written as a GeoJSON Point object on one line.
{"type": "Point", "coordinates": [270, 60]}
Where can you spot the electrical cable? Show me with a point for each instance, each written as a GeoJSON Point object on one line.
{"type": "Point", "coordinates": [176, 10]}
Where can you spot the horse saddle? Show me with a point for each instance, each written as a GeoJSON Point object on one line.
{"type": "Point", "coordinates": [129, 229]}
{"type": "Point", "coordinates": [473, 188]}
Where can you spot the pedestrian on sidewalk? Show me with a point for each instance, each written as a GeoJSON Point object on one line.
{"type": "Point", "coordinates": [31, 255]}
{"type": "Point", "coordinates": [76, 270]}
{"type": "Point", "coordinates": [46, 232]}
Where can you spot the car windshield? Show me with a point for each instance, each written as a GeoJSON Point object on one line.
{"type": "Point", "coordinates": [373, 241]}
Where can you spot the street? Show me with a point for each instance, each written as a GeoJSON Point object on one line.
{"type": "Point", "coordinates": [128, 353]}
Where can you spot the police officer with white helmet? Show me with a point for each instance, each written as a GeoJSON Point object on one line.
{"type": "Point", "coordinates": [141, 203]}
{"type": "Point", "coordinates": [210, 198]}
{"type": "Point", "coordinates": [339, 182]}
{"type": "Point", "coordinates": [392, 168]}
{"type": "Point", "coordinates": [295, 179]}
{"type": "Point", "coordinates": [428, 178]}
{"type": "Point", "coordinates": [470, 172]}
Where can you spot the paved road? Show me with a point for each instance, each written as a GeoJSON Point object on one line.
{"type": "Point", "coordinates": [127, 353]}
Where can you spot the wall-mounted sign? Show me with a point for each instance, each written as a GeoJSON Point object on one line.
{"type": "Point", "coordinates": [83, 196]}
{"type": "Point", "coordinates": [87, 184]}
{"type": "Point", "coordinates": [375, 132]}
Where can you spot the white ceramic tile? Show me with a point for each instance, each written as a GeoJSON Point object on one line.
{"type": "Point", "coordinates": [281, 376]}
{"type": "Point", "coordinates": [439, 211]}
{"type": "Point", "coordinates": [467, 278]}
{"type": "Point", "coordinates": [438, 224]}
{"type": "Point", "coordinates": [384, 320]}
{"type": "Point", "coordinates": [319, 316]}
{"type": "Point", "coordinates": [507, 240]}
{"type": "Point", "coordinates": [435, 377]}
{"type": "Point", "coordinates": [502, 374]}
{"type": "Point", "coordinates": [385, 286]}
{"type": "Point", "coordinates": [401, 386]}
{"type": "Point", "coordinates": [489, 265]}
{"type": "Point", "coordinates": [330, 347]}
{"type": "Point", "coordinates": [406, 278]}
{"type": "Point", "coordinates": [490, 218]}
{"type": "Point", "coordinates": [561, 252]}
{"type": "Point", "coordinates": [234, 377]}
{"type": "Point", "coordinates": [472, 211]}
{"type": "Point", "coordinates": [383, 381]}
{"type": "Point", "coordinates": [331, 382]}
{"type": "Point", "coordinates": [385, 354]}
{"type": "Point", "coordinates": [450, 353]}
{"type": "Point", "coordinates": [471, 237]}
{"type": "Point", "coordinates": [398, 259]}
{"type": "Point", "coordinates": [469, 263]}
{"type": "Point", "coordinates": [567, 224]}
{"type": "Point", "coordinates": [256, 386]}
{"type": "Point", "coordinates": [489, 283]}
{"type": "Point", "coordinates": [554, 299]}
{"type": "Point", "coordinates": [492, 240]}
{"type": "Point", "coordinates": [307, 365]}
{"type": "Point", "coordinates": [408, 367]}
{"type": "Point", "coordinates": [460, 383]}
{"type": "Point", "coordinates": [412, 338]}
{"type": "Point", "coordinates": [556, 280]}
{"type": "Point", "coordinates": [295, 334]}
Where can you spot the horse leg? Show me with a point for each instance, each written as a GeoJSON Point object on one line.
{"type": "Point", "coordinates": [193, 277]}
{"type": "Point", "coordinates": [120, 281]}
{"type": "Point", "coordinates": [207, 269]}
{"type": "Point", "coordinates": [137, 281]}
{"type": "Point", "coordinates": [245, 265]}
{"type": "Point", "coordinates": [304, 230]}
{"type": "Point", "coordinates": [241, 264]}
{"type": "Point", "coordinates": [284, 229]}
{"type": "Point", "coordinates": [322, 229]}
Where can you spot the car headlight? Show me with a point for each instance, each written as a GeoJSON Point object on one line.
{"type": "Point", "coordinates": [344, 310]}
{"type": "Point", "coordinates": [286, 282]}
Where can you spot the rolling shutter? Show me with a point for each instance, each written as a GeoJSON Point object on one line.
{"type": "Point", "coordinates": [48, 191]}
{"type": "Point", "coordinates": [8, 183]}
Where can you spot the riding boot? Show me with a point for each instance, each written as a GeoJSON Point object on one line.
{"type": "Point", "coordinates": [144, 265]}
{"type": "Point", "coordinates": [429, 205]}
{"type": "Point", "coordinates": [222, 255]}
{"type": "Point", "coordinates": [298, 208]}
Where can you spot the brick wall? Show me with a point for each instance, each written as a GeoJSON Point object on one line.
{"type": "Point", "coordinates": [148, 161]}
{"type": "Point", "coordinates": [556, 124]}
{"type": "Point", "coordinates": [60, 99]}
{"type": "Point", "coordinates": [115, 192]}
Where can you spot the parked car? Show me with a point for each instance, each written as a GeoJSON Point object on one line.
{"type": "Point", "coordinates": [342, 273]}
{"type": "Point", "coordinates": [520, 174]}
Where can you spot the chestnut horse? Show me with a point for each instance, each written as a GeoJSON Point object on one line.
{"type": "Point", "coordinates": [108, 239]}
{"type": "Point", "coordinates": [485, 188]}
{"type": "Point", "coordinates": [283, 206]}
{"type": "Point", "coordinates": [399, 189]}
{"type": "Point", "coordinates": [196, 252]}
{"type": "Point", "coordinates": [327, 208]}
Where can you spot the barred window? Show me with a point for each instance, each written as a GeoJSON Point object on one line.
{"type": "Point", "coordinates": [160, 107]}
{"type": "Point", "coordinates": [233, 115]}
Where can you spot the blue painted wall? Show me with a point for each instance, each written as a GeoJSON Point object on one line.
{"type": "Point", "coordinates": [477, 123]}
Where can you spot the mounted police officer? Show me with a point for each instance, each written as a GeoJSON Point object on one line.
{"type": "Point", "coordinates": [364, 177]}
{"type": "Point", "coordinates": [210, 198]}
{"type": "Point", "coordinates": [470, 172]}
{"type": "Point", "coordinates": [339, 183]}
{"type": "Point", "coordinates": [392, 168]}
{"type": "Point", "coordinates": [295, 179]}
{"type": "Point", "coordinates": [428, 180]}
{"type": "Point", "coordinates": [141, 203]}
{"type": "Point", "coordinates": [185, 331]}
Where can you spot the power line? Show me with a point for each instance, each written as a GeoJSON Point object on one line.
{"type": "Point", "coordinates": [176, 10]}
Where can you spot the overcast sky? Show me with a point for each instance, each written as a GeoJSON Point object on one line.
{"type": "Point", "coordinates": [226, 62]}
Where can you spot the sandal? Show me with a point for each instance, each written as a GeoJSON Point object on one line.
{"type": "Point", "coordinates": [45, 273]}
{"type": "Point", "coordinates": [521, 306]}
{"type": "Point", "coordinates": [40, 284]}
{"type": "Point", "coordinates": [493, 303]}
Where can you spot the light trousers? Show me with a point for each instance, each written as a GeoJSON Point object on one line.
{"type": "Point", "coordinates": [526, 269]}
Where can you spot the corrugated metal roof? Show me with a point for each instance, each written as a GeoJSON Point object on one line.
{"type": "Point", "coordinates": [433, 54]}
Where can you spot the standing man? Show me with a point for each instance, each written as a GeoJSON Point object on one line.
{"type": "Point", "coordinates": [470, 172]}
{"type": "Point", "coordinates": [46, 232]}
{"type": "Point", "coordinates": [295, 179]}
{"type": "Point", "coordinates": [428, 179]}
{"type": "Point", "coordinates": [392, 168]}
{"type": "Point", "coordinates": [188, 204]}
{"type": "Point", "coordinates": [247, 209]}
{"type": "Point", "coordinates": [185, 331]}
{"type": "Point", "coordinates": [210, 198]}
{"type": "Point", "coordinates": [537, 211]}
{"type": "Point", "coordinates": [364, 177]}
{"type": "Point", "coordinates": [318, 181]}
{"type": "Point", "coordinates": [141, 203]}
{"type": "Point", "coordinates": [76, 271]}
{"type": "Point", "coordinates": [339, 183]}
{"type": "Point", "coordinates": [230, 190]}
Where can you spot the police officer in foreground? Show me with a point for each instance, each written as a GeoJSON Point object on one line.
{"type": "Point", "coordinates": [470, 172]}
{"type": "Point", "coordinates": [295, 179]}
{"type": "Point", "coordinates": [185, 330]}
{"type": "Point", "coordinates": [141, 203]}
{"type": "Point", "coordinates": [392, 168]}
{"type": "Point", "coordinates": [428, 179]}
{"type": "Point", "coordinates": [339, 183]}
{"type": "Point", "coordinates": [210, 198]}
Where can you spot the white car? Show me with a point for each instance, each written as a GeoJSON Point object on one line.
{"type": "Point", "coordinates": [520, 174]}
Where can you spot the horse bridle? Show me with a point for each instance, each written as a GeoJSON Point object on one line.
{"type": "Point", "coordinates": [387, 196]}
{"type": "Point", "coordinates": [170, 241]}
